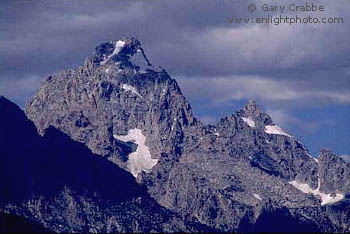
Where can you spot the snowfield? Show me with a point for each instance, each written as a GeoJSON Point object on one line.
{"type": "Point", "coordinates": [325, 198]}
{"type": "Point", "coordinates": [274, 129]}
{"type": "Point", "coordinates": [118, 46]}
{"type": "Point", "coordinates": [132, 89]}
{"type": "Point", "coordinates": [141, 159]}
{"type": "Point", "coordinates": [257, 196]}
{"type": "Point", "coordinates": [249, 121]}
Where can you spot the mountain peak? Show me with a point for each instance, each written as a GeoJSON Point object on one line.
{"type": "Point", "coordinates": [324, 152]}
{"type": "Point", "coordinates": [252, 109]}
{"type": "Point", "coordinates": [123, 53]}
{"type": "Point", "coordinates": [253, 112]}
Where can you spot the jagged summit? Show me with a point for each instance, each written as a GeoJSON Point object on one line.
{"type": "Point", "coordinates": [254, 116]}
{"type": "Point", "coordinates": [252, 109]}
{"type": "Point", "coordinates": [113, 96]}
{"type": "Point", "coordinates": [125, 53]}
{"type": "Point", "coordinates": [326, 152]}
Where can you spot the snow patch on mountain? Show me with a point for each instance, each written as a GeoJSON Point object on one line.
{"type": "Point", "coordinates": [325, 198]}
{"type": "Point", "coordinates": [274, 129]}
{"type": "Point", "coordinates": [249, 121]}
{"type": "Point", "coordinates": [216, 132]}
{"type": "Point", "coordinates": [315, 159]}
{"type": "Point", "coordinates": [141, 159]}
{"type": "Point", "coordinates": [118, 46]}
{"type": "Point", "coordinates": [132, 89]}
{"type": "Point", "coordinates": [257, 196]}
{"type": "Point", "coordinates": [174, 124]}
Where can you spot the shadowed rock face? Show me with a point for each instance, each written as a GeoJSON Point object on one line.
{"type": "Point", "coordinates": [47, 164]}
{"type": "Point", "coordinates": [220, 175]}
{"type": "Point", "coordinates": [13, 223]}
{"type": "Point", "coordinates": [60, 184]}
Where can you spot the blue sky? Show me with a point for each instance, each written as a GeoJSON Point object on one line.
{"type": "Point", "coordinates": [299, 74]}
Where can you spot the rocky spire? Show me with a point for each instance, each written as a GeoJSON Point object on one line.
{"type": "Point", "coordinates": [252, 109]}
{"type": "Point", "coordinates": [326, 152]}
{"type": "Point", "coordinates": [331, 180]}
{"type": "Point", "coordinates": [125, 53]}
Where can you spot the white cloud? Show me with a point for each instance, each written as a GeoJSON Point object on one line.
{"type": "Point", "coordinates": [282, 117]}
{"type": "Point", "coordinates": [223, 90]}
{"type": "Point", "coordinates": [189, 39]}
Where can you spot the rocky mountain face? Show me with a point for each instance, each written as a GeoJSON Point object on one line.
{"type": "Point", "coordinates": [13, 223]}
{"type": "Point", "coordinates": [109, 96]}
{"type": "Point", "coordinates": [334, 173]}
{"type": "Point", "coordinates": [55, 183]}
{"type": "Point", "coordinates": [229, 177]}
